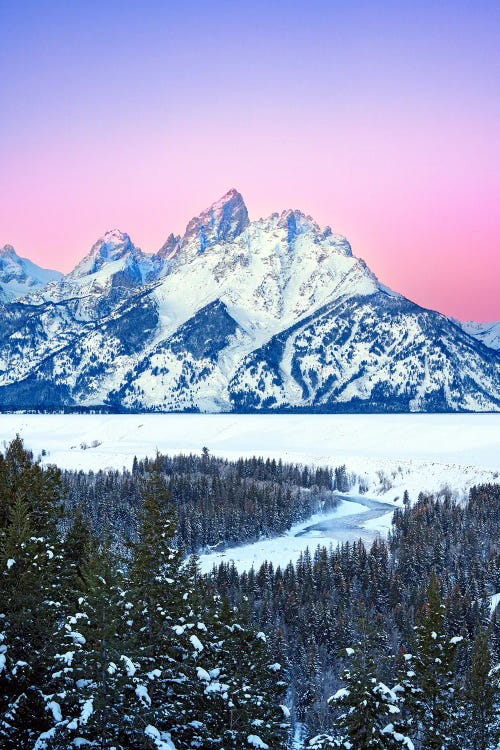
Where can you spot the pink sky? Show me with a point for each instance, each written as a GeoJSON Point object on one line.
{"type": "Point", "coordinates": [383, 125]}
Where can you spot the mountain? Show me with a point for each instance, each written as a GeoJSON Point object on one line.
{"type": "Point", "coordinates": [487, 333]}
{"type": "Point", "coordinates": [112, 270]}
{"type": "Point", "coordinates": [272, 314]}
{"type": "Point", "coordinates": [19, 276]}
{"type": "Point", "coordinates": [113, 259]}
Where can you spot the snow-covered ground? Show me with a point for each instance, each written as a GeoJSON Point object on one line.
{"type": "Point", "coordinates": [388, 453]}
{"type": "Point", "coordinates": [407, 451]}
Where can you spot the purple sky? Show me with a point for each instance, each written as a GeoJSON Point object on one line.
{"type": "Point", "coordinates": [378, 118]}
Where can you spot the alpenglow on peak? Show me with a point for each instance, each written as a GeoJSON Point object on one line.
{"type": "Point", "coordinates": [223, 221]}
{"type": "Point", "coordinates": [112, 246]}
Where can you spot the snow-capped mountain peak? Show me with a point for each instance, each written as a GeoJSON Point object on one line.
{"type": "Point", "coordinates": [112, 246]}
{"type": "Point", "coordinates": [296, 221]}
{"type": "Point", "coordinates": [113, 270]}
{"type": "Point", "coordinates": [223, 221]}
{"type": "Point", "coordinates": [19, 276]}
{"type": "Point", "coordinates": [487, 333]}
{"type": "Point", "coordinates": [7, 251]}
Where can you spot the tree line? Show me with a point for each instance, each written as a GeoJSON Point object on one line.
{"type": "Point", "coordinates": [100, 651]}
{"type": "Point", "coordinates": [217, 502]}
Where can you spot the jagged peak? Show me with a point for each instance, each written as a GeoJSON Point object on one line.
{"type": "Point", "coordinates": [293, 217]}
{"type": "Point", "coordinates": [297, 214]}
{"type": "Point", "coordinates": [7, 251]}
{"type": "Point", "coordinates": [223, 221]}
{"type": "Point", "coordinates": [113, 238]}
{"type": "Point", "coordinates": [170, 246]}
{"type": "Point", "coordinates": [112, 246]}
{"type": "Point", "coordinates": [297, 222]}
{"type": "Point", "coordinates": [232, 196]}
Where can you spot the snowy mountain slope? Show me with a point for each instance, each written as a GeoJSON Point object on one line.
{"type": "Point", "coordinates": [271, 314]}
{"type": "Point", "coordinates": [377, 352]}
{"type": "Point", "coordinates": [487, 333]}
{"type": "Point", "coordinates": [186, 369]}
{"type": "Point", "coordinates": [59, 364]}
{"type": "Point", "coordinates": [19, 276]}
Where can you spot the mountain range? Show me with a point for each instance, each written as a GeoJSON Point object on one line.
{"type": "Point", "coordinates": [235, 315]}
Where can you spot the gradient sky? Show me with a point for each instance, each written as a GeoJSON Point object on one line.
{"type": "Point", "coordinates": [381, 119]}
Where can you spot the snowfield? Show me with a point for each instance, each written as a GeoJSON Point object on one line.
{"type": "Point", "coordinates": [388, 453]}
{"type": "Point", "coordinates": [439, 448]}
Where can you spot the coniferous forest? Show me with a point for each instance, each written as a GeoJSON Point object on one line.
{"type": "Point", "coordinates": [110, 637]}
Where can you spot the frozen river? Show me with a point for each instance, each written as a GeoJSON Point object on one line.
{"type": "Point", "coordinates": [344, 524]}
{"type": "Point", "coordinates": [352, 526]}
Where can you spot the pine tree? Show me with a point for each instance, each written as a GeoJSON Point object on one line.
{"type": "Point", "coordinates": [162, 592]}
{"type": "Point", "coordinates": [434, 697]}
{"type": "Point", "coordinates": [99, 700]}
{"type": "Point", "coordinates": [241, 688]}
{"type": "Point", "coordinates": [371, 716]}
{"type": "Point", "coordinates": [79, 547]}
{"type": "Point", "coordinates": [30, 588]}
{"type": "Point", "coordinates": [482, 697]}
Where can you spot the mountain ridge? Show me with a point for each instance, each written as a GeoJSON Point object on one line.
{"type": "Point", "coordinates": [237, 315]}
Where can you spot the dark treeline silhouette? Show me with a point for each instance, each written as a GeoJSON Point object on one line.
{"type": "Point", "coordinates": [217, 502]}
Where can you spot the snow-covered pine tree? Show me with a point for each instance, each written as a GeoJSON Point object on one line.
{"type": "Point", "coordinates": [405, 690]}
{"type": "Point", "coordinates": [98, 701]}
{"type": "Point", "coordinates": [78, 549]}
{"type": "Point", "coordinates": [434, 700]}
{"type": "Point", "coordinates": [162, 594]}
{"type": "Point", "coordinates": [370, 715]}
{"type": "Point", "coordinates": [240, 694]}
{"type": "Point", "coordinates": [30, 590]}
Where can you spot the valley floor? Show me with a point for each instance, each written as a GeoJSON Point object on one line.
{"type": "Point", "coordinates": [388, 453]}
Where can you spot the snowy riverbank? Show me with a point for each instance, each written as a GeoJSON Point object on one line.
{"type": "Point", "coordinates": [345, 523]}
